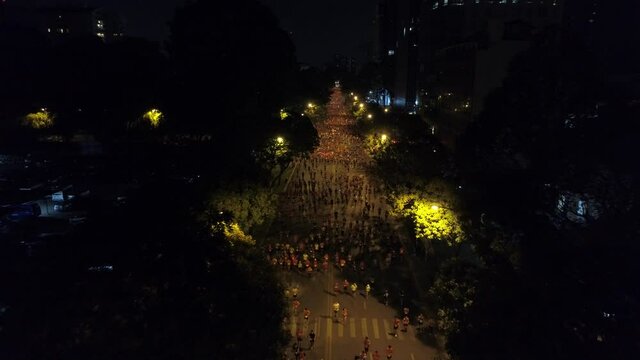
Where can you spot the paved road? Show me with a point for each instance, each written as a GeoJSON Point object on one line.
{"type": "Point", "coordinates": [329, 199]}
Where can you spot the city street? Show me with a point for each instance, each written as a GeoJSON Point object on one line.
{"type": "Point", "coordinates": [334, 226]}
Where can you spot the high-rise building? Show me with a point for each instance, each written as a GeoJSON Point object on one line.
{"type": "Point", "coordinates": [454, 52]}
{"type": "Point", "coordinates": [65, 22]}
{"type": "Point", "coordinates": [467, 46]}
{"type": "Point", "coordinates": [399, 23]}
{"type": "Point", "coordinates": [62, 22]}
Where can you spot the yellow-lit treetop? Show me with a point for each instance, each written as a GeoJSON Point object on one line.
{"type": "Point", "coordinates": [39, 120]}
{"type": "Point", "coordinates": [154, 117]}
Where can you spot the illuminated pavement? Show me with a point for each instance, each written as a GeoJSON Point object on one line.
{"type": "Point", "coordinates": [340, 157]}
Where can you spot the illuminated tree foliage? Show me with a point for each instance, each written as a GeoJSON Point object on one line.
{"type": "Point", "coordinates": [249, 205]}
{"type": "Point", "coordinates": [376, 144]}
{"type": "Point", "coordinates": [39, 120]}
{"type": "Point", "coordinates": [154, 117]}
{"type": "Point", "coordinates": [431, 219]}
{"type": "Point", "coordinates": [233, 233]}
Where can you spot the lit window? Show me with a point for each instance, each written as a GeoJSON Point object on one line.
{"type": "Point", "coordinates": [436, 4]}
{"type": "Point", "coordinates": [445, 3]}
{"type": "Point", "coordinates": [392, 52]}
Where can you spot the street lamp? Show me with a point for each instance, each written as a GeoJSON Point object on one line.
{"type": "Point", "coordinates": [369, 116]}
{"type": "Point", "coordinates": [355, 98]}
{"type": "Point", "coordinates": [280, 140]}
{"type": "Point", "coordinates": [361, 105]}
{"type": "Point", "coordinates": [435, 207]}
{"type": "Point", "coordinates": [309, 105]}
{"type": "Point", "coordinates": [383, 137]}
{"type": "Point", "coordinates": [386, 110]}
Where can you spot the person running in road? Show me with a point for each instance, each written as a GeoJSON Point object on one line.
{"type": "Point", "coordinates": [367, 343]}
{"type": "Point", "coordinates": [405, 323]}
{"type": "Point", "coordinates": [336, 288]}
{"type": "Point", "coordinates": [375, 355]}
{"type": "Point", "coordinates": [345, 314]}
{"type": "Point", "coordinates": [306, 314]}
{"type": "Point", "coordinates": [354, 289]}
{"type": "Point", "coordinates": [389, 352]}
{"type": "Point", "coordinates": [367, 290]}
{"type": "Point", "coordinates": [336, 308]}
{"type": "Point", "coordinates": [296, 305]}
{"type": "Point", "coordinates": [420, 322]}
{"type": "Point", "coordinates": [345, 286]}
{"type": "Point", "coordinates": [396, 325]}
{"type": "Point", "coordinates": [312, 339]}
{"type": "Point", "coordinates": [386, 297]}
{"type": "Point", "coordinates": [299, 336]}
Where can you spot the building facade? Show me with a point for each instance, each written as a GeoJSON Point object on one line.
{"type": "Point", "coordinates": [452, 53]}
{"type": "Point", "coordinates": [65, 22]}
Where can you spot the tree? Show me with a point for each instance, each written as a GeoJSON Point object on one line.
{"type": "Point", "coordinates": [146, 281]}
{"type": "Point", "coordinates": [231, 59]}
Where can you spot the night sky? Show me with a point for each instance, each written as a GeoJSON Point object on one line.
{"type": "Point", "coordinates": [319, 28]}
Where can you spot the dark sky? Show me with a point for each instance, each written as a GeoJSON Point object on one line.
{"type": "Point", "coordinates": [320, 28]}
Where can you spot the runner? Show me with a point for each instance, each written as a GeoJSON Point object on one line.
{"type": "Point", "coordinates": [389, 352]}
{"type": "Point", "coordinates": [296, 304]}
{"type": "Point", "coordinates": [396, 325]}
{"type": "Point", "coordinates": [312, 339]}
{"type": "Point", "coordinates": [336, 308]}
{"type": "Point", "coordinates": [306, 314]}
{"type": "Point", "coordinates": [367, 343]}
{"type": "Point", "coordinates": [375, 355]}
{"type": "Point", "coordinates": [345, 314]}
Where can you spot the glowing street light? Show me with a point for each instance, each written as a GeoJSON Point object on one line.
{"type": "Point", "coordinates": [369, 116]}
{"type": "Point", "coordinates": [355, 98]}
{"type": "Point", "coordinates": [280, 140]}
{"type": "Point", "coordinates": [435, 207]}
{"type": "Point", "coordinates": [383, 137]}
{"type": "Point", "coordinates": [310, 105]}
{"type": "Point", "coordinates": [361, 105]}
{"type": "Point", "coordinates": [386, 110]}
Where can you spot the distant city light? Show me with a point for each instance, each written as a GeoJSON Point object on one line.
{"type": "Point", "coordinates": [383, 137]}
{"type": "Point", "coordinates": [386, 110]}
{"type": "Point", "coordinates": [355, 98]}
{"type": "Point", "coordinates": [280, 140]}
{"type": "Point", "coordinates": [310, 105]}
{"type": "Point", "coordinates": [369, 116]}
{"type": "Point", "coordinates": [361, 105]}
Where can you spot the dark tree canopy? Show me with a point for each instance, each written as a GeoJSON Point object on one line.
{"type": "Point", "coordinates": [175, 291]}
{"type": "Point", "coordinates": [231, 62]}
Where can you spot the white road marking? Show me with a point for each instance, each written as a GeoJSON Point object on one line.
{"type": "Point", "coordinates": [376, 330]}
{"type": "Point", "coordinates": [365, 331]}
{"type": "Point", "coordinates": [352, 327]}
{"type": "Point", "coordinates": [387, 329]}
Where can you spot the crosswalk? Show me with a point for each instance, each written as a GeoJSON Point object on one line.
{"type": "Point", "coordinates": [354, 328]}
